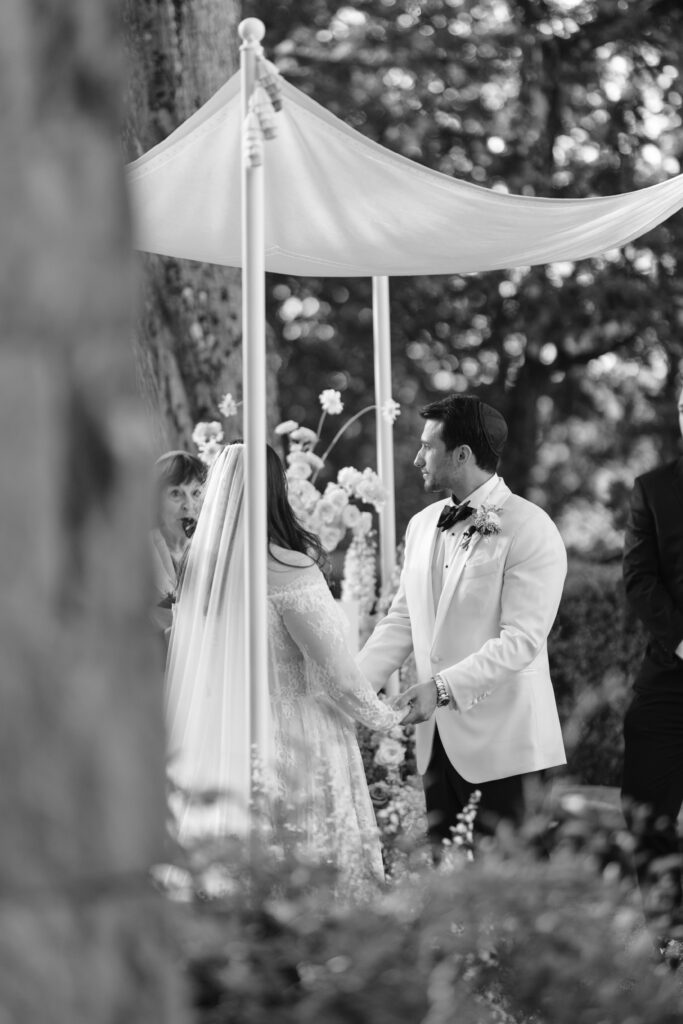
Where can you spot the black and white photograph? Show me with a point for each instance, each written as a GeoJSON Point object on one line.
{"type": "Point", "coordinates": [341, 393]}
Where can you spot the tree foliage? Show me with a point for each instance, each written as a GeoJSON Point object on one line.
{"type": "Point", "coordinates": [561, 98]}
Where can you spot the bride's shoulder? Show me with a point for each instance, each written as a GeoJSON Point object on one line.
{"type": "Point", "coordinates": [286, 566]}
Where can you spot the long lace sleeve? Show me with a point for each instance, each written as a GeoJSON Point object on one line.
{"type": "Point", "coordinates": [313, 621]}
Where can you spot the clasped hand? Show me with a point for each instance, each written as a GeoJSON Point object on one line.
{"type": "Point", "coordinates": [420, 700]}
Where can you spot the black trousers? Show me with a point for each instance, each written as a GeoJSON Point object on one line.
{"type": "Point", "coordinates": [652, 795]}
{"type": "Point", "coordinates": [446, 793]}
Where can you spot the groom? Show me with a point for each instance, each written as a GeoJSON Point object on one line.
{"type": "Point", "coordinates": [480, 587]}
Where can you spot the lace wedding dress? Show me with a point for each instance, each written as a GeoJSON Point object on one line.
{"type": "Point", "coordinates": [313, 781]}
{"type": "Point", "coordinates": [317, 692]}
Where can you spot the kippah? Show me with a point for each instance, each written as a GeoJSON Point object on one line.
{"type": "Point", "coordinates": [493, 426]}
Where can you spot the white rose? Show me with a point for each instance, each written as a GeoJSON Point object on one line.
{"type": "Point", "coordinates": [304, 491]}
{"type": "Point", "coordinates": [330, 537]}
{"type": "Point", "coordinates": [337, 495]}
{"type": "Point", "coordinates": [347, 477]}
{"type": "Point", "coordinates": [390, 753]}
{"type": "Point", "coordinates": [328, 512]}
{"type": "Point", "coordinates": [351, 516]}
{"type": "Point", "coordinates": [298, 470]}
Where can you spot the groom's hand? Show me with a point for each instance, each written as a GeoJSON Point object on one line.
{"type": "Point", "coordinates": [420, 701]}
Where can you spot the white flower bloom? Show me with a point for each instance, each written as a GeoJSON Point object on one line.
{"type": "Point", "coordinates": [205, 432]}
{"type": "Point", "coordinates": [304, 435]}
{"type": "Point", "coordinates": [348, 477]}
{"type": "Point", "coordinates": [298, 470]}
{"type": "Point", "coordinates": [286, 427]}
{"type": "Point", "coordinates": [328, 513]}
{"type": "Point", "coordinates": [360, 573]}
{"type": "Point", "coordinates": [364, 525]}
{"type": "Point", "coordinates": [390, 752]}
{"type": "Point", "coordinates": [313, 460]}
{"type": "Point", "coordinates": [330, 537]}
{"type": "Point", "coordinates": [391, 410]}
{"type": "Point", "coordinates": [304, 492]}
{"type": "Point", "coordinates": [370, 489]}
{"type": "Point", "coordinates": [331, 402]}
{"type": "Point", "coordinates": [337, 495]}
{"type": "Point", "coordinates": [208, 452]}
{"type": "Point", "coordinates": [228, 406]}
{"type": "Point", "coordinates": [351, 516]}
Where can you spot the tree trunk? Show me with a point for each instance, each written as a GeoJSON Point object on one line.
{"type": "Point", "coordinates": [83, 937]}
{"type": "Point", "coordinates": [189, 339]}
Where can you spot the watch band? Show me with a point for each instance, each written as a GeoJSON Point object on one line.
{"type": "Point", "coordinates": [443, 696]}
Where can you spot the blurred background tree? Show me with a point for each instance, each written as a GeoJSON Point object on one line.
{"type": "Point", "coordinates": [189, 335]}
{"type": "Point", "coordinates": [561, 98]}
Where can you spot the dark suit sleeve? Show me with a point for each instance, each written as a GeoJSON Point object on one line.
{"type": "Point", "coordinates": [645, 589]}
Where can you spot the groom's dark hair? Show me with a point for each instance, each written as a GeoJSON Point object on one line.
{"type": "Point", "coordinates": [468, 420]}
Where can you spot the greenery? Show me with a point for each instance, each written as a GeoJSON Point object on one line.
{"type": "Point", "coordinates": [595, 650]}
{"type": "Point", "coordinates": [566, 98]}
{"type": "Point", "coordinates": [507, 939]}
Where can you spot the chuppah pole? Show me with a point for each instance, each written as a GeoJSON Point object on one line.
{"type": "Point", "coordinates": [254, 391]}
{"type": "Point", "coordinates": [385, 433]}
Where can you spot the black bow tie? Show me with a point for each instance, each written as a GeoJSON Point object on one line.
{"type": "Point", "coordinates": [450, 515]}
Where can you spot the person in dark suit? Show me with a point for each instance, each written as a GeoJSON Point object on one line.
{"type": "Point", "coordinates": [652, 785]}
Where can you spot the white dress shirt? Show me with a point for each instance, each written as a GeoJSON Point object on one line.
{"type": "Point", "coordinates": [448, 545]}
{"type": "Point", "coordinates": [448, 549]}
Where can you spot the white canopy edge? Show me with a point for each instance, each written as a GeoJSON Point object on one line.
{"type": "Point", "coordinates": [339, 205]}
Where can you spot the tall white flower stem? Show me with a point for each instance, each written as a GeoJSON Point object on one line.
{"type": "Point", "coordinates": [352, 419]}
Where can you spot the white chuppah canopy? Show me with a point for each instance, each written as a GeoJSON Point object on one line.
{"type": "Point", "coordinates": [331, 203]}
{"type": "Point", "coordinates": [340, 205]}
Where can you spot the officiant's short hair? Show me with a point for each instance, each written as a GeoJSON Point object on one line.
{"type": "Point", "coordinates": [468, 420]}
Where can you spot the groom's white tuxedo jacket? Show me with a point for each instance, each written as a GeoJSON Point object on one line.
{"type": "Point", "coordinates": [486, 637]}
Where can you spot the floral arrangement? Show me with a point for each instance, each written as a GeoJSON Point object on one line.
{"type": "Point", "coordinates": [331, 513]}
{"type": "Point", "coordinates": [486, 521]}
{"type": "Point", "coordinates": [208, 438]}
{"type": "Point", "coordinates": [334, 512]}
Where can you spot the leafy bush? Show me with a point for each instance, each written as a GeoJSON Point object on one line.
{"type": "Point", "coordinates": [595, 649]}
{"type": "Point", "coordinates": [508, 939]}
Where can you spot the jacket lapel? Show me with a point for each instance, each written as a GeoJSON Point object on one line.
{"type": "Point", "coordinates": [498, 496]}
{"type": "Point", "coordinates": [426, 556]}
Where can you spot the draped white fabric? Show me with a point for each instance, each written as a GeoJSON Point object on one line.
{"type": "Point", "coordinates": [339, 205]}
{"type": "Point", "coordinates": [207, 688]}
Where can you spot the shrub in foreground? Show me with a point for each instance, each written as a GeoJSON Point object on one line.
{"type": "Point", "coordinates": [507, 939]}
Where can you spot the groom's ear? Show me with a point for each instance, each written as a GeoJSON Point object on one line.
{"type": "Point", "coordinates": [463, 453]}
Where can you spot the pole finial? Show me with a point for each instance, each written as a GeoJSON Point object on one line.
{"type": "Point", "coordinates": [251, 30]}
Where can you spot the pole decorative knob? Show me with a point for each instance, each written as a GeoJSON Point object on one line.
{"type": "Point", "coordinates": [251, 30]}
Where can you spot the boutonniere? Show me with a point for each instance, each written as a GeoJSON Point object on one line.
{"type": "Point", "coordinates": [486, 521]}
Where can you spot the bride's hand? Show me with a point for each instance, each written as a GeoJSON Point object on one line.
{"type": "Point", "coordinates": [420, 701]}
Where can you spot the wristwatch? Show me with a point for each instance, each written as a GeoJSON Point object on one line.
{"type": "Point", "coordinates": [443, 696]}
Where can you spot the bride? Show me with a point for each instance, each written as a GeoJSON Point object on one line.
{"type": "Point", "coordinates": [316, 690]}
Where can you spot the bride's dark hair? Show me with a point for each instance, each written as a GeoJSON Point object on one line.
{"type": "Point", "coordinates": [284, 529]}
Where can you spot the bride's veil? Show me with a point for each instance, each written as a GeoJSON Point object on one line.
{"type": "Point", "coordinates": [207, 689]}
